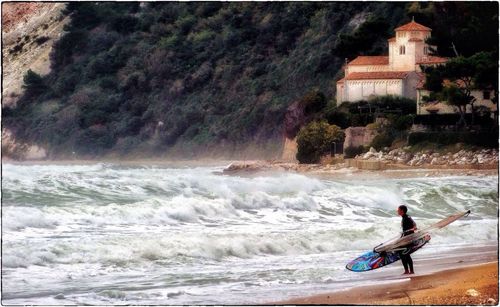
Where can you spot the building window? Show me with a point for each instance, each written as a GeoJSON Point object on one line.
{"type": "Point", "coordinates": [426, 50]}
{"type": "Point", "coordinates": [486, 95]}
{"type": "Point", "coordinates": [402, 49]}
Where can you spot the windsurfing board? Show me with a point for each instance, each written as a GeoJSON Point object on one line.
{"type": "Point", "coordinates": [374, 260]}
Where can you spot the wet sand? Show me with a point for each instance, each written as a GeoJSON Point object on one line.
{"type": "Point", "coordinates": [471, 285]}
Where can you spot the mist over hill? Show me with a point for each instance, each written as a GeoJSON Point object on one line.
{"type": "Point", "coordinates": [211, 79]}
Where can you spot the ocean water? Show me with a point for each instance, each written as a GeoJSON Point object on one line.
{"type": "Point", "coordinates": [114, 234]}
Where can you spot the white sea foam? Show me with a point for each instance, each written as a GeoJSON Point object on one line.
{"type": "Point", "coordinates": [198, 235]}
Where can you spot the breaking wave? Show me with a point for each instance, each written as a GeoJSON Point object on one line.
{"type": "Point", "coordinates": [93, 220]}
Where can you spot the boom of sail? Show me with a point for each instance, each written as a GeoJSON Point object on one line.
{"type": "Point", "coordinates": [399, 242]}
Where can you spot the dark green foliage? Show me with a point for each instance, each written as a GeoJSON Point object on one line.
{"type": "Point", "coordinates": [214, 73]}
{"type": "Point", "coordinates": [313, 102]}
{"type": "Point", "coordinates": [363, 39]}
{"type": "Point", "coordinates": [17, 48]}
{"type": "Point", "coordinates": [470, 26]}
{"type": "Point", "coordinates": [93, 141]}
{"type": "Point", "coordinates": [123, 24]}
{"type": "Point", "coordinates": [42, 39]}
{"type": "Point", "coordinates": [383, 104]}
{"type": "Point", "coordinates": [352, 151]}
{"type": "Point", "coordinates": [433, 78]}
{"type": "Point", "coordinates": [316, 139]}
{"type": "Point", "coordinates": [382, 140]}
{"type": "Point", "coordinates": [454, 81]}
{"type": "Point", "coordinates": [83, 15]}
{"type": "Point", "coordinates": [64, 48]}
{"type": "Point", "coordinates": [438, 120]}
{"type": "Point", "coordinates": [400, 122]}
{"type": "Point", "coordinates": [361, 113]}
{"type": "Point", "coordinates": [483, 139]}
{"type": "Point", "coordinates": [339, 118]}
{"type": "Point", "coordinates": [33, 83]}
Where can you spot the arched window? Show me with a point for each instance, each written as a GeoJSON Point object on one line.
{"type": "Point", "coordinates": [402, 49]}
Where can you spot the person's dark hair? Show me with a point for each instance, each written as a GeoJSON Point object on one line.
{"type": "Point", "coordinates": [403, 207]}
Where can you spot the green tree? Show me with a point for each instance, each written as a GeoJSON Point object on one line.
{"type": "Point", "coordinates": [458, 27]}
{"type": "Point", "coordinates": [486, 75]}
{"type": "Point", "coordinates": [33, 83]}
{"type": "Point", "coordinates": [315, 139]}
{"type": "Point", "coordinates": [458, 97]}
{"type": "Point", "coordinates": [454, 81]}
{"type": "Point", "coordinates": [361, 41]}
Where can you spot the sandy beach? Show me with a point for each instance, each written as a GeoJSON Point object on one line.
{"type": "Point", "coordinates": [473, 285]}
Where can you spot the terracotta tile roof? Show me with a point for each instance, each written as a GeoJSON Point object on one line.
{"type": "Point", "coordinates": [414, 39]}
{"type": "Point", "coordinates": [370, 60]}
{"type": "Point", "coordinates": [377, 75]}
{"type": "Point", "coordinates": [430, 59]}
{"type": "Point", "coordinates": [392, 39]}
{"type": "Point", "coordinates": [413, 26]}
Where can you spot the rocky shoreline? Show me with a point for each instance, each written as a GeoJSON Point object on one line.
{"type": "Point", "coordinates": [397, 159]}
{"type": "Point", "coordinates": [428, 157]}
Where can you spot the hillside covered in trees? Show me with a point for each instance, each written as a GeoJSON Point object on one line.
{"type": "Point", "coordinates": [213, 78]}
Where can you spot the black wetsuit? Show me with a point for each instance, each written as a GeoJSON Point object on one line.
{"type": "Point", "coordinates": [407, 223]}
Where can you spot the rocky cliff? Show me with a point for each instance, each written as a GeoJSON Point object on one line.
{"type": "Point", "coordinates": [174, 79]}
{"type": "Point", "coordinates": [28, 33]}
{"type": "Point", "coordinates": [29, 30]}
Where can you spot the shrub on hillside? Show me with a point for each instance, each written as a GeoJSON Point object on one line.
{"type": "Point", "coordinates": [33, 83]}
{"type": "Point", "coordinates": [401, 122]}
{"type": "Point", "coordinates": [382, 140]}
{"type": "Point", "coordinates": [352, 151]}
{"type": "Point", "coordinates": [384, 104]}
{"type": "Point", "coordinates": [42, 39]}
{"type": "Point", "coordinates": [123, 24]}
{"type": "Point", "coordinates": [94, 140]}
{"type": "Point", "coordinates": [64, 48]}
{"type": "Point", "coordinates": [341, 119]}
{"type": "Point", "coordinates": [313, 102]}
{"type": "Point", "coordinates": [315, 139]}
{"type": "Point", "coordinates": [363, 38]}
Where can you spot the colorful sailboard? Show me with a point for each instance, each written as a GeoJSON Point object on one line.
{"type": "Point", "coordinates": [374, 260]}
{"type": "Point", "coordinates": [390, 251]}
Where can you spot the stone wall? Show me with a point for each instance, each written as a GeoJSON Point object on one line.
{"type": "Point", "coordinates": [289, 150]}
{"type": "Point", "coordinates": [397, 158]}
{"type": "Point", "coordinates": [357, 136]}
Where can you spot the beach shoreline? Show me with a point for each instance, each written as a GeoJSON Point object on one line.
{"type": "Point", "coordinates": [251, 168]}
{"type": "Point", "coordinates": [470, 285]}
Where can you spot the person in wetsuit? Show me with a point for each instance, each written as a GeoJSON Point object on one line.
{"type": "Point", "coordinates": [409, 227]}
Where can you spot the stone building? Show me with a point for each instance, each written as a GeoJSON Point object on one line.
{"type": "Point", "coordinates": [397, 73]}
